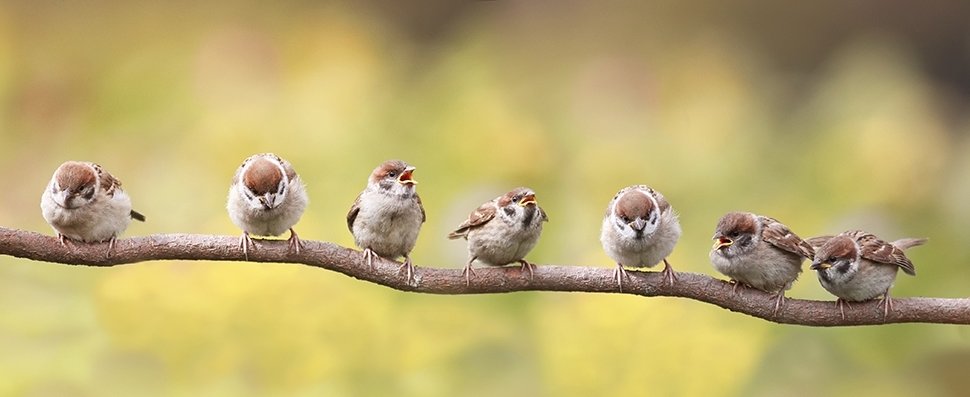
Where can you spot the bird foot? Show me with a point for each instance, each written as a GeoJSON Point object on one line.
{"type": "Point", "coordinates": [294, 242]}
{"type": "Point", "coordinates": [369, 255]}
{"type": "Point", "coordinates": [246, 242]}
{"type": "Point", "coordinates": [887, 305]}
{"type": "Point", "coordinates": [618, 274]}
{"type": "Point", "coordinates": [468, 271]}
{"type": "Point", "coordinates": [407, 267]}
{"type": "Point", "coordinates": [111, 246]}
{"type": "Point", "coordinates": [840, 303]}
{"type": "Point", "coordinates": [669, 275]}
{"type": "Point", "coordinates": [528, 266]}
{"type": "Point", "coordinates": [779, 298]}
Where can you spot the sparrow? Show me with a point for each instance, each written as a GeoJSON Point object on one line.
{"type": "Point", "coordinates": [502, 231]}
{"type": "Point", "coordinates": [759, 252]}
{"type": "Point", "coordinates": [639, 229]}
{"type": "Point", "coordinates": [266, 198]}
{"type": "Point", "coordinates": [856, 266]}
{"type": "Point", "coordinates": [386, 217]}
{"type": "Point", "coordinates": [83, 202]}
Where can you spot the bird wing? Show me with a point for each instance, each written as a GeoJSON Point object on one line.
{"type": "Point", "coordinates": [110, 184]}
{"type": "Point", "coordinates": [107, 181]}
{"type": "Point", "coordinates": [424, 216]}
{"type": "Point", "coordinates": [779, 235]}
{"type": "Point", "coordinates": [877, 250]}
{"type": "Point", "coordinates": [476, 219]}
{"type": "Point", "coordinates": [818, 241]}
{"type": "Point", "coordinates": [354, 210]}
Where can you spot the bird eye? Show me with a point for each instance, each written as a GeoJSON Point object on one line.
{"type": "Point", "coordinates": [392, 174]}
{"type": "Point", "coordinates": [88, 194]}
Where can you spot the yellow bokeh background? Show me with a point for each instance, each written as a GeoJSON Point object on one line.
{"type": "Point", "coordinates": [706, 103]}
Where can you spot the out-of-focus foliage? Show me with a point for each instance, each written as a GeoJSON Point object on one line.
{"type": "Point", "coordinates": [808, 113]}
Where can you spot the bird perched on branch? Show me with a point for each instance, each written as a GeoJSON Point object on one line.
{"type": "Point", "coordinates": [856, 266]}
{"type": "Point", "coordinates": [84, 202]}
{"type": "Point", "coordinates": [266, 198]}
{"type": "Point", "coordinates": [639, 229]}
{"type": "Point", "coordinates": [760, 252]}
{"type": "Point", "coordinates": [502, 231]}
{"type": "Point", "coordinates": [387, 216]}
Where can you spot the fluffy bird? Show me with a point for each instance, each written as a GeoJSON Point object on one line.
{"type": "Point", "coordinates": [759, 252]}
{"type": "Point", "coordinates": [502, 231]}
{"type": "Point", "coordinates": [639, 229]}
{"type": "Point", "coordinates": [387, 216]}
{"type": "Point", "coordinates": [83, 202]}
{"type": "Point", "coordinates": [266, 198]}
{"type": "Point", "coordinates": [856, 266]}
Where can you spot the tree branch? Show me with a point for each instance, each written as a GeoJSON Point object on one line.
{"type": "Point", "coordinates": [39, 247]}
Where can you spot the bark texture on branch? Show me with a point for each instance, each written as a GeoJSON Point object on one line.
{"type": "Point", "coordinates": [39, 247]}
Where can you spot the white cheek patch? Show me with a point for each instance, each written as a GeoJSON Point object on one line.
{"type": "Point", "coordinates": [60, 197]}
{"type": "Point", "coordinates": [512, 211]}
{"type": "Point", "coordinates": [620, 225]}
{"type": "Point", "coordinates": [654, 221]}
{"type": "Point", "coordinates": [650, 228]}
{"type": "Point", "coordinates": [281, 187]}
{"type": "Point", "coordinates": [627, 231]}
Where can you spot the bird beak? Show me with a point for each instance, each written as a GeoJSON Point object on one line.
{"type": "Point", "coordinates": [61, 198]}
{"type": "Point", "coordinates": [406, 177]}
{"type": "Point", "coordinates": [721, 242]}
{"type": "Point", "coordinates": [638, 224]}
{"type": "Point", "coordinates": [820, 266]}
{"type": "Point", "coordinates": [528, 199]}
{"type": "Point", "coordinates": [267, 201]}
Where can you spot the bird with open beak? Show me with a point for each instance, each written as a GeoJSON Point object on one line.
{"type": "Point", "coordinates": [759, 252]}
{"type": "Point", "coordinates": [386, 217]}
{"type": "Point", "coordinates": [502, 231]}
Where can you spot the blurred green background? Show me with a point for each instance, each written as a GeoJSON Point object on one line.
{"type": "Point", "coordinates": [825, 115]}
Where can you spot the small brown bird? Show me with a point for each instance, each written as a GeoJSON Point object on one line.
{"type": "Point", "coordinates": [387, 216]}
{"type": "Point", "coordinates": [83, 202]}
{"type": "Point", "coordinates": [639, 229]}
{"type": "Point", "coordinates": [759, 252]}
{"type": "Point", "coordinates": [502, 230]}
{"type": "Point", "coordinates": [266, 198]}
{"type": "Point", "coordinates": [856, 266]}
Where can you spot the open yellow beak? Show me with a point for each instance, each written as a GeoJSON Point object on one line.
{"type": "Point", "coordinates": [528, 199]}
{"type": "Point", "coordinates": [407, 177]}
{"type": "Point", "coordinates": [720, 242]}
